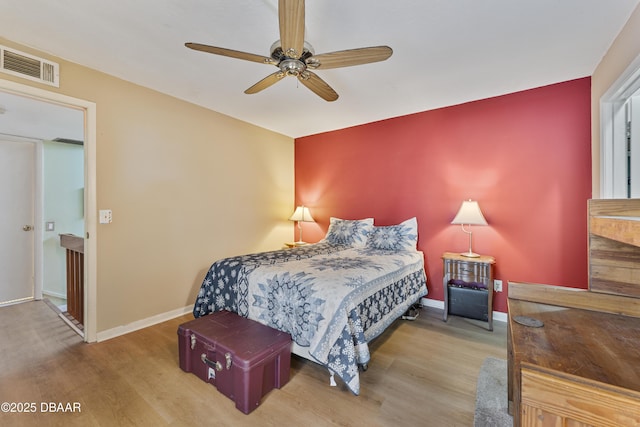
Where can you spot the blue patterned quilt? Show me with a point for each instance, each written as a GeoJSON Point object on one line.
{"type": "Point", "coordinates": [332, 299]}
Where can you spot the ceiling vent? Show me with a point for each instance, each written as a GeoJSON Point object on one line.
{"type": "Point", "coordinates": [29, 67]}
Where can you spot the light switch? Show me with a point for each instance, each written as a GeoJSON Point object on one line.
{"type": "Point", "coordinates": [50, 225]}
{"type": "Point", "coordinates": [106, 216]}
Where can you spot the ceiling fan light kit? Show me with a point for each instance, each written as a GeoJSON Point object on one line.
{"type": "Point", "coordinates": [294, 56]}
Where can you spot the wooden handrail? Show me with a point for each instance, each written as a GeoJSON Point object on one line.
{"type": "Point", "coordinates": [74, 246]}
{"type": "Point", "coordinates": [72, 242]}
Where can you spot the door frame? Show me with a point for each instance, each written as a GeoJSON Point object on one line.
{"type": "Point", "coordinates": [90, 199]}
{"type": "Point", "coordinates": [613, 132]}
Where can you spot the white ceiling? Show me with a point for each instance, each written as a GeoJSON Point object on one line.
{"type": "Point", "coordinates": [446, 52]}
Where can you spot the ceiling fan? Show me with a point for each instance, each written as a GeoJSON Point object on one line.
{"type": "Point", "coordinates": [295, 57]}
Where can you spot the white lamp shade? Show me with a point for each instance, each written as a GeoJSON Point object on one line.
{"type": "Point", "coordinates": [469, 213]}
{"type": "Point", "coordinates": [302, 214]}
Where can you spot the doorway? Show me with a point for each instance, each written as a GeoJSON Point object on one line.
{"type": "Point", "coordinates": [41, 101]}
{"type": "Point", "coordinates": [620, 136]}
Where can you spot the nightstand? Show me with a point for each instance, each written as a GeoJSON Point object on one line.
{"type": "Point", "coordinates": [294, 244]}
{"type": "Point", "coordinates": [468, 287]}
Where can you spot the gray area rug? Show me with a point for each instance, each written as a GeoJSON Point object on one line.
{"type": "Point", "coordinates": [491, 395]}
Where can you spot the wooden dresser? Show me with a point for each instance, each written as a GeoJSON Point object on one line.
{"type": "Point", "coordinates": [574, 355]}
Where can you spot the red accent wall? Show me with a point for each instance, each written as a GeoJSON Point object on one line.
{"type": "Point", "coordinates": [525, 157]}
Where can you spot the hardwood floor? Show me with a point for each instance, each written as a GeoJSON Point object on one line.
{"type": "Point", "coordinates": [421, 373]}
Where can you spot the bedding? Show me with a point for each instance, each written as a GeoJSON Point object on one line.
{"type": "Point", "coordinates": [332, 298]}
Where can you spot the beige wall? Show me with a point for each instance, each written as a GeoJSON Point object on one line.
{"type": "Point", "coordinates": [186, 185]}
{"type": "Point", "coordinates": [622, 52]}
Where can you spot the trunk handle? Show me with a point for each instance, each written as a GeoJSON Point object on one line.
{"type": "Point", "coordinates": [215, 365]}
{"type": "Point", "coordinates": [227, 356]}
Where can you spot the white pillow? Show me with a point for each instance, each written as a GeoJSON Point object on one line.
{"type": "Point", "coordinates": [349, 232]}
{"type": "Point", "coordinates": [400, 237]}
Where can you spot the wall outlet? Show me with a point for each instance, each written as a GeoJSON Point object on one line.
{"type": "Point", "coordinates": [106, 216]}
{"type": "Point", "coordinates": [497, 285]}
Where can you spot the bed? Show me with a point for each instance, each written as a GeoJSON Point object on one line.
{"type": "Point", "coordinates": [333, 297]}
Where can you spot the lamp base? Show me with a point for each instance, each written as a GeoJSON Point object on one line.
{"type": "Point", "coordinates": [470, 254]}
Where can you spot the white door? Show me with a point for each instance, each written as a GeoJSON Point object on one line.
{"type": "Point", "coordinates": [633, 136]}
{"type": "Point", "coordinates": [17, 172]}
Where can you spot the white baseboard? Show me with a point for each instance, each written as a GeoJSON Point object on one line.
{"type": "Point", "coordinates": [500, 316]}
{"type": "Point", "coordinates": [163, 317]}
{"type": "Point", "coordinates": [54, 294]}
{"type": "Point", "coordinates": [497, 315]}
{"type": "Point", "coordinates": [143, 323]}
{"type": "Point", "coordinates": [432, 303]}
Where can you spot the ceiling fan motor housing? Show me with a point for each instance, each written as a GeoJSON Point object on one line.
{"type": "Point", "coordinates": [289, 65]}
{"type": "Point", "coordinates": [292, 67]}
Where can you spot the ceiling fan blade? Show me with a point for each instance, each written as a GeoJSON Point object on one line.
{"type": "Point", "coordinates": [350, 57]}
{"type": "Point", "coordinates": [229, 52]}
{"type": "Point", "coordinates": [265, 83]}
{"type": "Point", "coordinates": [318, 86]}
{"type": "Point", "coordinates": [291, 19]}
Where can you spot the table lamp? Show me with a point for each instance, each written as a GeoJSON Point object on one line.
{"type": "Point", "coordinates": [301, 214]}
{"type": "Point", "coordinates": [469, 214]}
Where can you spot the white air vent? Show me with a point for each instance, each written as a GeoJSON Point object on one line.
{"type": "Point", "coordinates": [29, 67]}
